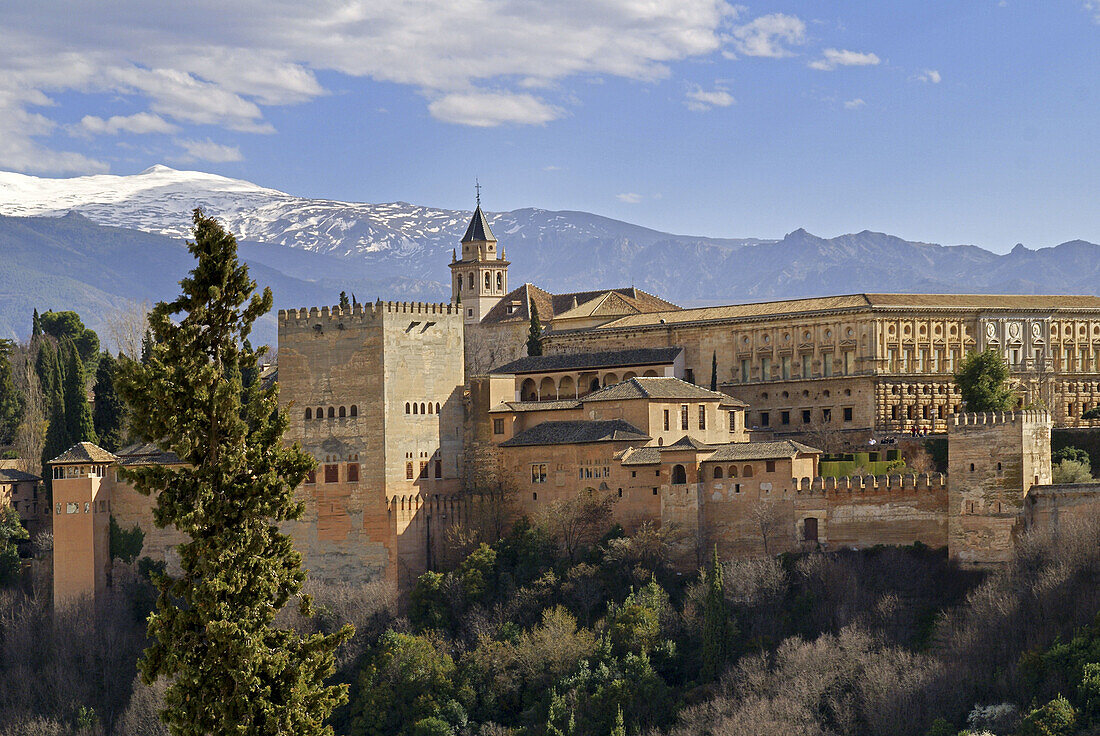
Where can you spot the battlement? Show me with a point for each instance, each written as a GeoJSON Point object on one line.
{"type": "Point", "coordinates": [360, 313]}
{"type": "Point", "coordinates": [870, 484]}
{"type": "Point", "coordinates": [993, 418]}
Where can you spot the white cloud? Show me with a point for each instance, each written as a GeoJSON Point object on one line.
{"type": "Point", "coordinates": [832, 58]}
{"type": "Point", "coordinates": [769, 35]}
{"type": "Point", "coordinates": [486, 109]}
{"type": "Point", "coordinates": [208, 150]}
{"type": "Point", "coordinates": [220, 62]}
{"type": "Point", "coordinates": [930, 75]}
{"type": "Point", "coordinates": [700, 100]}
{"type": "Point", "coordinates": [142, 122]}
{"type": "Point", "coordinates": [1093, 7]}
{"type": "Point", "coordinates": [854, 104]}
{"type": "Point", "coordinates": [629, 197]}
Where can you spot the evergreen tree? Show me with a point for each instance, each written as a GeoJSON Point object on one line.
{"type": "Point", "coordinates": [619, 729]}
{"type": "Point", "coordinates": [78, 414]}
{"type": "Point", "coordinates": [344, 302]}
{"type": "Point", "coordinates": [231, 669]}
{"type": "Point", "coordinates": [36, 326]}
{"type": "Point", "coordinates": [534, 335]}
{"type": "Point", "coordinates": [982, 379]}
{"type": "Point", "coordinates": [67, 325]}
{"type": "Point", "coordinates": [354, 301]}
{"type": "Point", "coordinates": [714, 371]}
{"type": "Point", "coordinates": [146, 345]}
{"type": "Point", "coordinates": [718, 628]}
{"type": "Point", "coordinates": [57, 435]}
{"type": "Point", "coordinates": [46, 368]}
{"type": "Point", "coordinates": [11, 403]}
{"type": "Point", "coordinates": [108, 416]}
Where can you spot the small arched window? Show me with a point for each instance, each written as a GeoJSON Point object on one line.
{"type": "Point", "coordinates": [718, 472]}
{"type": "Point", "coordinates": [331, 412]}
{"type": "Point", "coordinates": [415, 407]}
{"type": "Point", "coordinates": [679, 475]}
{"type": "Point", "coordinates": [430, 409]}
{"type": "Point", "coordinates": [422, 408]}
{"type": "Point", "coordinates": [343, 412]}
{"type": "Point", "coordinates": [354, 410]}
{"type": "Point", "coordinates": [437, 407]}
{"type": "Point", "coordinates": [733, 471]}
{"type": "Point", "coordinates": [500, 281]}
{"type": "Point", "coordinates": [309, 414]}
{"type": "Point", "coordinates": [320, 413]}
{"type": "Point", "coordinates": [407, 409]}
{"type": "Point", "coordinates": [488, 282]}
{"type": "Point", "coordinates": [747, 471]}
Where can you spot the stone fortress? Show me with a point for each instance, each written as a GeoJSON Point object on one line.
{"type": "Point", "coordinates": [409, 407]}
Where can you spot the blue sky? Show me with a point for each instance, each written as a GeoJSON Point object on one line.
{"type": "Point", "coordinates": [952, 122]}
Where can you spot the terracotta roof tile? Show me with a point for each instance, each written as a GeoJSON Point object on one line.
{"type": "Point", "coordinates": [84, 452]}
{"type": "Point", "coordinates": [577, 432]}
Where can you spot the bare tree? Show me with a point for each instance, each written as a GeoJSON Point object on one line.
{"type": "Point", "coordinates": [486, 350]}
{"type": "Point", "coordinates": [578, 521]}
{"type": "Point", "coordinates": [768, 519]}
{"type": "Point", "coordinates": [125, 328]}
{"type": "Point", "coordinates": [30, 436]}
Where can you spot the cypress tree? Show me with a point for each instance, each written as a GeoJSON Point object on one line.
{"type": "Point", "coordinates": [345, 303]}
{"type": "Point", "coordinates": [108, 415]}
{"type": "Point", "coordinates": [230, 668]}
{"type": "Point", "coordinates": [619, 729]}
{"type": "Point", "coordinates": [534, 334]}
{"type": "Point", "coordinates": [714, 371]}
{"type": "Point", "coordinates": [45, 366]}
{"type": "Point", "coordinates": [78, 415]}
{"type": "Point", "coordinates": [36, 326]}
{"type": "Point", "coordinates": [718, 629]}
{"type": "Point", "coordinates": [11, 403]}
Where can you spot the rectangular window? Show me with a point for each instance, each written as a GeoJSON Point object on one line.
{"type": "Point", "coordinates": [498, 426]}
{"type": "Point", "coordinates": [423, 468]}
{"type": "Point", "coordinates": [745, 371]}
{"type": "Point", "coordinates": [438, 468]}
{"type": "Point", "coordinates": [826, 415]}
{"type": "Point", "coordinates": [538, 473]}
{"type": "Point", "coordinates": [683, 416]}
{"type": "Point", "coordinates": [353, 472]}
{"type": "Point", "coordinates": [72, 508]}
{"type": "Point", "coordinates": [920, 361]}
{"type": "Point", "coordinates": [807, 366]}
{"type": "Point", "coordinates": [784, 417]}
{"type": "Point", "coordinates": [765, 369]}
{"type": "Point", "coordinates": [809, 530]}
{"type": "Point", "coordinates": [689, 375]}
{"type": "Point", "coordinates": [785, 367]}
{"type": "Point", "coordinates": [827, 364]}
{"type": "Point", "coordinates": [849, 362]}
{"type": "Point", "coordinates": [765, 419]}
{"type": "Point", "coordinates": [332, 473]}
{"type": "Point", "coordinates": [702, 416]}
{"type": "Point", "coordinates": [769, 466]}
{"type": "Point", "coordinates": [666, 420]}
{"type": "Point", "coordinates": [892, 360]}
{"type": "Point", "coordinates": [408, 471]}
{"type": "Point", "coordinates": [733, 421]}
{"type": "Point", "coordinates": [847, 413]}
{"type": "Point", "coordinates": [805, 416]}
{"type": "Point", "coordinates": [936, 361]}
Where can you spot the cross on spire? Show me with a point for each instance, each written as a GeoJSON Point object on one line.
{"type": "Point", "coordinates": [477, 187]}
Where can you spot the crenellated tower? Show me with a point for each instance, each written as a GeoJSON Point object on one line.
{"type": "Point", "coordinates": [480, 278]}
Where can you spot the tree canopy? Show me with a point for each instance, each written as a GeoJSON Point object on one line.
{"type": "Point", "coordinates": [534, 333]}
{"type": "Point", "coordinates": [982, 380]}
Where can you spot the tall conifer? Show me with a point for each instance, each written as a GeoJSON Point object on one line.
{"type": "Point", "coordinates": [230, 668]}
{"type": "Point", "coordinates": [78, 413]}
{"type": "Point", "coordinates": [108, 415]}
{"type": "Point", "coordinates": [534, 333]}
{"type": "Point", "coordinates": [11, 404]}
{"type": "Point", "coordinates": [718, 628]}
{"type": "Point", "coordinates": [714, 371]}
{"type": "Point", "coordinates": [36, 326]}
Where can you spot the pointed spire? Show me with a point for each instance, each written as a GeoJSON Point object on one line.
{"type": "Point", "coordinates": [478, 230]}
{"type": "Point", "coordinates": [454, 255]}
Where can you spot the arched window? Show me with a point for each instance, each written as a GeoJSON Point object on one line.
{"type": "Point", "coordinates": [343, 412]}
{"type": "Point", "coordinates": [500, 281]}
{"type": "Point", "coordinates": [747, 471]}
{"type": "Point", "coordinates": [354, 410]}
{"type": "Point", "coordinates": [414, 407]}
{"type": "Point", "coordinates": [733, 471]}
{"type": "Point", "coordinates": [320, 413]}
{"type": "Point", "coordinates": [408, 410]}
{"type": "Point", "coordinates": [422, 408]}
{"type": "Point", "coordinates": [595, 386]}
{"type": "Point", "coordinates": [309, 413]}
{"type": "Point", "coordinates": [528, 391]}
{"type": "Point", "coordinates": [488, 281]}
{"type": "Point", "coordinates": [332, 412]}
{"type": "Point", "coordinates": [437, 407]}
{"type": "Point", "coordinates": [470, 281]}
{"type": "Point", "coordinates": [679, 475]}
{"type": "Point", "coordinates": [718, 472]}
{"type": "Point", "coordinates": [429, 407]}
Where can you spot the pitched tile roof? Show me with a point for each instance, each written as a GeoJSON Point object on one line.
{"type": "Point", "coordinates": [855, 301]}
{"type": "Point", "coordinates": [147, 454]}
{"type": "Point", "coordinates": [522, 406]}
{"type": "Point", "coordinates": [577, 432]}
{"type": "Point", "coordinates": [686, 443]}
{"type": "Point", "coordinates": [582, 303]}
{"type": "Point", "coordinates": [649, 455]}
{"type": "Point", "coordinates": [84, 452]}
{"type": "Point", "coordinates": [660, 387]}
{"type": "Point", "coordinates": [760, 451]}
{"type": "Point", "coordinates": [581, 361]}
{"type": "Point", "coordinates": [11, 475]}
{"type": "Point", "coordinates": [478, 229]}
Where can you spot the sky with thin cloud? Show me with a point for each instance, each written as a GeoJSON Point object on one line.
{"type": "Point", "coordinates": [945, 121]}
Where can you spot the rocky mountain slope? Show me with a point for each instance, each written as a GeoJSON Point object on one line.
{"type": "Point", "coordinates": [314, 248]}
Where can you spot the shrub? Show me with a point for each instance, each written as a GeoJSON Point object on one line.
{"type": "Point", "coordinates": [1056, 718]}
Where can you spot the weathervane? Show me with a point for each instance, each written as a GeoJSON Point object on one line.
{"type": "Point", "coordinates": [477, 186]}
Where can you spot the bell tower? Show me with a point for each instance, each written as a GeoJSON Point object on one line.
{"type": "Point", "coordinates": [480, 278]}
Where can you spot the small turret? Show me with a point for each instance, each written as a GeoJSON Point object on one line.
{"type": "Point", "coordinates": [480, 277]}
